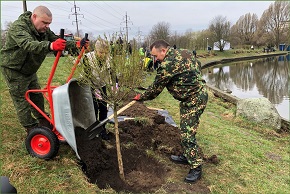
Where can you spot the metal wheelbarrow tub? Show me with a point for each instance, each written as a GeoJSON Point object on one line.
{"type": "Point", "coordinates": [73, 107]}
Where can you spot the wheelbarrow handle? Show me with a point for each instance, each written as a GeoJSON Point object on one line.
{"type": "Point", "coordinates": [62, 33]}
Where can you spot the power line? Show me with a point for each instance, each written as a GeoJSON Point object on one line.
{"type": "Point", "coordinates": [126, 23]}
{"type": "Point", "coordinates": [105, 11]}
{"type": "Point", "coordinates": [100, 18]}
{"type": "Point", "coordinates": [76, 14]}
{"type": "Point", "coordinates": [56, 6]}
{"type": "Point", "coordinates": [95, 23]}
{"type": "Point", "coordinates": [69, 2]}
{"type": "Point", "coordinates": [104, 17]}
{"type": "Point", "coordinates": [139, 34]}
{"type": "Point", "coordinates": [113, 9]}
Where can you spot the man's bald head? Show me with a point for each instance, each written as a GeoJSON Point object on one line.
{"type": "Point", "coordinates": [40, 10]}
{"type": "Point", "coordinates": [41, 18]}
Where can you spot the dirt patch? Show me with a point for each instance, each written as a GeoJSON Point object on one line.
{"type": "Point", "coordinates": [143, 171]}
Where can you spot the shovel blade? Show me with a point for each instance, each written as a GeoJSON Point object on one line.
{"type": "Point", "coordinates": [95, 133]}
{"type": "Point", "coordinates": [94, 129]}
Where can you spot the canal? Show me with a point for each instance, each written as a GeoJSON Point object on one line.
{"type": "Point", "coordinates": [266, 77]}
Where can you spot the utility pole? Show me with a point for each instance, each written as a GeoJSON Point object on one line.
{"type": "Point", "coordinates": [24, 6]}
{"type": "Point", "coordinates": [126, 22]}
{"type": "Point", "coordinates": [76, 17]}
{"type": "Point", "coordinates": [139, 34]}
{"type": "Point", "coordinates": [121, 32]}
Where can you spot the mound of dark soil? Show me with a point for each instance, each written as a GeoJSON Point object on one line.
{"type": "Point", "coordinates": [143, 173]}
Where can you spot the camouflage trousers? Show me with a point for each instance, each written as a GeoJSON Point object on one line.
{"type": "Point", "coordinates": [18, 84]}
{"type": "Point", "coordinates": [190, 113]}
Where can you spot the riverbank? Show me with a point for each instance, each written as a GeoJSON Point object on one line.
{"type": "Point", "coordinates": [285, 124]}
{"type": "Point", "coordinates": [213, 59]}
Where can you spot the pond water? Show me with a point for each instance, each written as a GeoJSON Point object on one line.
{"type": "Point", "coordinates": [267, 77]}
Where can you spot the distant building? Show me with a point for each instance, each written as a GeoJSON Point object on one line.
{"type": "Point", "coordinates": [226, 45]}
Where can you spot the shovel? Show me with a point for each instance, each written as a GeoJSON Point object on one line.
{"type": "Point", "coordinates": [96, 127]}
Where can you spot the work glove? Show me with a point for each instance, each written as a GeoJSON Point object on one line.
{"type": "Point", "coordinates": [83, 42]}
{"type": "Point", "coordinates": [137, 97]}
{"type": "Point", "coordinates": [58, 45]}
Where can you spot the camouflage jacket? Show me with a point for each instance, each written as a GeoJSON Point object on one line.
{"type": "Point", "coordinates": [25, 49]}
{"type": "Point", "coordinates": [180, 73]}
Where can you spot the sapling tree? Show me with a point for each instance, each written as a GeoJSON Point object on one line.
{"type": "Point", "coordinates": [112, 65]}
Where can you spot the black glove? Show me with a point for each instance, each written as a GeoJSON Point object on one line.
{"type": "Point", "coordinates": [85, 42]}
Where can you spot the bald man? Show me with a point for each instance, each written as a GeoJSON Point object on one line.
{"type": "Point", "coordinates": [28, 41]}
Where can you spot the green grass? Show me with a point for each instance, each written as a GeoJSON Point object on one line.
{"type": "Point", "coordinates": [253, 158]}
{"type": "Point", "coordinates": [33, 175]}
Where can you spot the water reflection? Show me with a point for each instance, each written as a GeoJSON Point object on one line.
{"type": "Point", "coordinates": [267, 77]}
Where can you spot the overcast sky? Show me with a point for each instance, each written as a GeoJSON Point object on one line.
{"type": "Point", "coordinates": [109, 17]}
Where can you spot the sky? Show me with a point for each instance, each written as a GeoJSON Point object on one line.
{"type": "Point", "coordinates": [109, 17]}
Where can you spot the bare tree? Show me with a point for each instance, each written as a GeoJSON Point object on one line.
{"type": "Point", "coordinates": [275, 20]}
{"type": "Point", "coordinates": [192, 37]}
{"type": "Point", "coordinates": [235, 38]}
{"type": "Point", "coordinates": [160, 31]}
{"type": "Point", "coordinates": [201, 39]}
{"type": "Point", "coordinates": [199, 42]}
{"type": "Point", "coordinates": [262, 35]}
{"type": "Point", "coordinates": [245, 28]}
{"type": "Point", "coordinates": [220, 29]}
{"type": "Point", "coordinates": [174, 39]}
{"type": "Point", "coordinates": [187, 40]}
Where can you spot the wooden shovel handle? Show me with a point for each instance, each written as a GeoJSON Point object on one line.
{"type": "Point", "coordinates": [122, 109]}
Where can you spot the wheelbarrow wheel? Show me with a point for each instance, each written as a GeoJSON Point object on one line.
{"type": "Point", "coordinates": [42, 143]}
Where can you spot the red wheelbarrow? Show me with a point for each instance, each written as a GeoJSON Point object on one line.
{"type": "Point", "coordinates": [70, 105]}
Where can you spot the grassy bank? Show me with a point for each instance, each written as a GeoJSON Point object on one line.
{"type": "Point", "coordinates": [206, 57]}
{"type": "Point", "coordinates": [253, 158]}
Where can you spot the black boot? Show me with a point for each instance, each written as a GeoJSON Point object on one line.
{"type": "Point", "coordinates": [179, 159]}
{"type": "Point", "coordinates": [104, 135]}
{"type": "Point", "coordinates": [193, 175]}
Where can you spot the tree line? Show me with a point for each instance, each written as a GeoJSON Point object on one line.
{"type": "Point", "coordinates": [270, 30]}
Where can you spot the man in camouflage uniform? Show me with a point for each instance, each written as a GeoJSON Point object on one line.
{"type": "Point", "coordinates": [180, 73]}
{"type": "Point", "coordinates": [29, 40]}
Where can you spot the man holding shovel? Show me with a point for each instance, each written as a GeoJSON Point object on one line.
{"type": "Point", "coordinates": [179, 72]}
